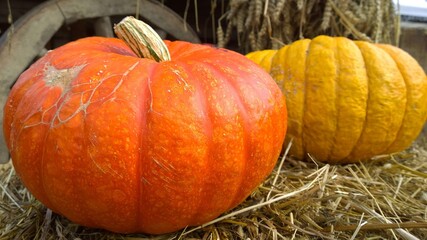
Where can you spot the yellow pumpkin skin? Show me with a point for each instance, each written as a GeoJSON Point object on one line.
{"type": "Point", "coordinates": [349, 100]}
{"type": "Point", "coordinates": [263, 58]}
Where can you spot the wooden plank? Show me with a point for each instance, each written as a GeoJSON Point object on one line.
{"type": "Point", "coordinates": [103, 27]}
{"type": "Point", "coordinates": [150, 10]}
{"type": "Point", "coordinates": [413, 39]}
{"type": "Point", "coordinates": [19, 8]}
{"type": "Point", "coordinates": [18, 48]}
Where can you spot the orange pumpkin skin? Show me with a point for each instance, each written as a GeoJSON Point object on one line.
{"type": "Point", "coordinates": [114, 141]}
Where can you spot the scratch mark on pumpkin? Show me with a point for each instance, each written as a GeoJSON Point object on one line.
{"type": "Point", "coordinates": [63, 78]}
{"type": "Point", "coordinates": [164, 164]}
{"type": "Point", "coordinates": [94, 142]}
{"type": "Point", "coordinates": [114, 172]}
{"type": "Point", "coordinates": [166, 173]}
{"type": "Point", "coordinates": [145, 181]}
{"type": "Point", "coordinates": [157, 162]}
{"type": "Point", "coordinates": [181, 79]}
{"type": "Point", "coordinates": [151, 109]}
{"type": "Point", "coordinates": [96, 164]}
{"type": "Point", "coordinates": [151, 94]}
{"type": "Point", "coordinates": [66, 96]}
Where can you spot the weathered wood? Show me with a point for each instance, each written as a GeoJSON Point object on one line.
{"type": "Point", "coordinates": [103, 27]}
{"type": "Point", "coordinates": [413, 39]}
{"type": "Point", "coordinates": [18, 48]}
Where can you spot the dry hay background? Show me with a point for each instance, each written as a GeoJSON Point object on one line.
{"type": "Point", "coordinates": [385, 198]}
{"type": "Point", "coordinates": [382, 199]}
{"type": "Point", "coordinates": [269, 24]}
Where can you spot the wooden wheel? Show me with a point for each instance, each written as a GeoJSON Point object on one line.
{"type": "Point", "coordinates": [22, 44]}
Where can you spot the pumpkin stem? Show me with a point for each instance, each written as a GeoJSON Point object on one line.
{"type": "Point", "coordinates": [142, 39]}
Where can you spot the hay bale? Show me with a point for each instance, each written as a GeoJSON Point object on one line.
{"type": "Point", "coordinates": [269, 24]}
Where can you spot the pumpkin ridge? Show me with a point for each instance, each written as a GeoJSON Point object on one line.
{"type": "Point", "coordinates": [43, 187]}
{"type": "Point", "coordinates": [402, 60]}
{"type": "Point", "coordinates": [42, 173]}
{"type": "Point", "coordinates": [144, 110]}
{"type": "Point", "coordinates": [246, 126]}
{"type": "Point", "coordinates": [33, 90]}
{"type": "Point", "coordinates": [86, 151]}
{"type": "Point", "coordinates": [368, 98]}
{"type": "Point", "coordinates": [245, 109]}
{"type": "Point", "coordinates": [319, 122]}
{"type": "Point", "coordinates": [351, 94]}
{"type": "Point", "coordinates": [208, 126]}
{"type": "Point", "coordinates": [304, 106]}
{"type": "Point", "coordinates": [148, 114]}
{"type": "Point", "coordinates": [396, 138]}
{"type": "Point", "coordinates": [282, 71]}
{"type": "Point", "coordinates": [336, 100]}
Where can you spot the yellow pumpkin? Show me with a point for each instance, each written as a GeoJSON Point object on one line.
{"type": "Point", "coordinates": [348, 100]}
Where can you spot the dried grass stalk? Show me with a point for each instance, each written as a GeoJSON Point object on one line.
{"type": "Point", "coordinates": [285, 21]}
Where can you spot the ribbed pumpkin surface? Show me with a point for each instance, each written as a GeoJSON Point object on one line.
{"type": "Point", "coordinates": [348, 100]}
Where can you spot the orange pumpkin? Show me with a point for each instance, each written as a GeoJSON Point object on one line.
{"type": "Point", "coordinates": [115, 141]}
{"type": "Point", "coordinates": [348, 100]}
